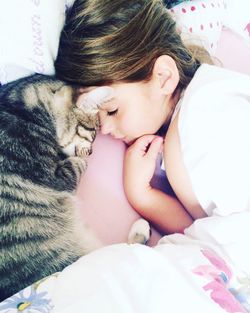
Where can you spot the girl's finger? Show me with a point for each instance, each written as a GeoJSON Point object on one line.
{"type": "Point", "coordinates": [154, 148]}
{"type": "Point", "coordinates": [143, 142]}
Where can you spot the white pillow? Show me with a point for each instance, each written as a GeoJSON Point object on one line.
{"type": "Point", "coordinates": [200, 21]}
{"type": "Point", "coordinates": [29, 36]}
{"type": "Point", "coordinates": [238, 17]}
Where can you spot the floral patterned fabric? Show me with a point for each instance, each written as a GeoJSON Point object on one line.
{"type": "Point", "coordinates": [33, 299]}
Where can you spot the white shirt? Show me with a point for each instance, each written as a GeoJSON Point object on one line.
{"type": "Point", "coordinates": [214, 130]}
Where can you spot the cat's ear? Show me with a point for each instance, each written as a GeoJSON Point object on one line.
{"type": "Point", "coordinates": [91, 101]}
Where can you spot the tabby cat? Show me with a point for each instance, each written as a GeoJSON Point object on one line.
{"type": "Point", "coordinates": [44, 141]}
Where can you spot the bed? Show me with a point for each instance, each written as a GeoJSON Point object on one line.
{"type": "Point", "coordinates": [206, 269]}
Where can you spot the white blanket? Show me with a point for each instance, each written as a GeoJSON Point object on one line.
{"type": "Point", "coordinates": [205, 270]}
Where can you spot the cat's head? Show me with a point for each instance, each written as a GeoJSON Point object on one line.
{"type": "Point", "coordinates": [78, 109]}
{"type": "Point", "coordinates": [74, 110]}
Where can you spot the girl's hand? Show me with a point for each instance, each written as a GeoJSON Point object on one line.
{"type": "Point", "coordinates": [139, 166]}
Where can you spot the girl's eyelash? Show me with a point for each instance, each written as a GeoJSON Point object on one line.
{"type": "Point", "coordinates": [114, 112]}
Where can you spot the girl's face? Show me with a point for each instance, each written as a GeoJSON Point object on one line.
{"type": "Point", "coordinates": [136, 109]}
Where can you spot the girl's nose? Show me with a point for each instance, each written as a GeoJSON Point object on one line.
{"type": "Point", "coordinates": [105, 129]}
{"type": "Point", "coordinates": [106, 125]}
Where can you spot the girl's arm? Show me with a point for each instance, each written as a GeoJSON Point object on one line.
{"type": "Point", "coordinates": [163, 211]}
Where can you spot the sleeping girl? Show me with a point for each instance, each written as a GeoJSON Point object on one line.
{"type": "Point", "coordinates": [160, 84]}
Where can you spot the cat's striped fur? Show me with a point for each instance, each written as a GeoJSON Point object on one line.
{"type": "Point", "coordinates": [44, 141]}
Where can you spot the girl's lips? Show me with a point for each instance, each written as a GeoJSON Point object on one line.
{"type": "Point", "coordinates": [125, 139]}
{"type": "Point", "coordinates": [128, 141]}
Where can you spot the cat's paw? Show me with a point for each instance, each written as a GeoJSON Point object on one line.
{"type": "Point", "coordinates": [139, 232]}
{"type": "Point", "coordinates": [82, 151]}
{"type": "Point", "coordinates": [90, 102]}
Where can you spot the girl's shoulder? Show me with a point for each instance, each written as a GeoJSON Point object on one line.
{"type": "Point", "coordinates": [211, 84]}
{"type": "Point", "coordinates": [209, 75]}
{"type": "Point", "coordinates": [214, 95]}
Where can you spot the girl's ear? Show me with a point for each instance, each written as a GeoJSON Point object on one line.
{"type": "Point", "coordinates": [91, 101]}
{"type": "Point", "coordinates": [166, 74]}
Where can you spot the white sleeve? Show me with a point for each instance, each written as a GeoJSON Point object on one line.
{"type": "Point", "coordinates": [219, 168]}
{"type": "Point", "coordinates": [229, 179]}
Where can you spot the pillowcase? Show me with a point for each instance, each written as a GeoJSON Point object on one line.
{"type": "Point", "coordinates": [29, 34]}
{"type": "Point", "coordinates": [238, 17]}
{"type": "Point", "coordinates": [200, 22]}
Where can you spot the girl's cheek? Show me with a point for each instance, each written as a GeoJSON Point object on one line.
{"type": "Point", "coordinates": [124, 125]}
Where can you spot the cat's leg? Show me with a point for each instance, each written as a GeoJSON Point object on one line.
{"type": "Point", "coordinates": [139, 232]}
{"type": "Point", "coordinates": [79, 147]}
{"type": "Point", "coordinates": [91, 101]}
{"type": "Point", "coordinates": [86, 137]}
{"type": "Point", "coordinates": [70, 170]}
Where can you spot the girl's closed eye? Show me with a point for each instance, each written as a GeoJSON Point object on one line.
{"type": "Point", "coordinates": [114, 112]}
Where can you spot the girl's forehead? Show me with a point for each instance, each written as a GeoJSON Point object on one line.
{"type": "Point", "coordinates": [120, 93]}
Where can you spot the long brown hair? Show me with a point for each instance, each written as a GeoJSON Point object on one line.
{"type": "Point", "coordinates": [104, 41]}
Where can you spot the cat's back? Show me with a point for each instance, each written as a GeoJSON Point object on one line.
{"type": "Point", "coordinates": [34, 206]}
{"type": "Point", "coordinates": [25, 98]}
{"type": "Point", "coordinates": [27, 132]}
